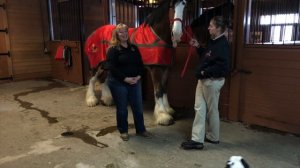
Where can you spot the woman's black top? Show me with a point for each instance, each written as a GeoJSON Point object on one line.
{"type": "Point", "coordinates": [124, 62]}
{"type": "Point", "coordinates": [214, 60]}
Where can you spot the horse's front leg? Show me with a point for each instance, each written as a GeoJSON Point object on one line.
{"type": "Point", "coordinates": [161, 115]}
{"type": "Point", "coordinates": [106, 97]}
{"type": "Point", "coordinates": [90, 97]}
{"type": "Point", "coordinates": [166, 104]}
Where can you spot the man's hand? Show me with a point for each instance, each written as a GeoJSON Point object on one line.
{"type": "Point", "coordinates": [194, 42]}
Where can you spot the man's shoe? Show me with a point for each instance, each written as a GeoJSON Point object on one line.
{"type": "Point", "coordinates": [210, 141]}
{"type": "Point", "coordinates": [190, 144]}
{"type": "Point", "coordinates": [124, 136]}
{"type": "Point", "coordinates": [186, 142]}
{"type": "Point", "coordinates": [145, 134]}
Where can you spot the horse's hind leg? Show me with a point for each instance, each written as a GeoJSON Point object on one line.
{"type": "Point", "coordinates": [166, 104]}
{"type": "Point", "coordinates": [161, 115]}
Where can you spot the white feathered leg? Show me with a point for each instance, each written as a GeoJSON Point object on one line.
{"type": "Point", "coordinates": [106, 96]}
{"type": "Point", "coordinates": [90, 97]}
{"type": "Point", "coordinates": [166, 104]}
{"type": "Point", "coordinates": [160, 114]}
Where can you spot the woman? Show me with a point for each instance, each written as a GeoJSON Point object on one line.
{"type": "Point", "coordinates": [210, 72]}
{"type": "Point", "coordinates": [125, 70]}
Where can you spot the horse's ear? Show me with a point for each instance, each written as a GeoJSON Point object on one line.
{"type": "Point", "coordinates": [173, 2]}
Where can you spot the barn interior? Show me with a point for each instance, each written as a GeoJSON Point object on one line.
{"type": "Point", "coordinates": [45, 122]}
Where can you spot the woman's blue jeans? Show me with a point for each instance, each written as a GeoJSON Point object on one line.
{"type": "Point", "coordinates": [124, 94]}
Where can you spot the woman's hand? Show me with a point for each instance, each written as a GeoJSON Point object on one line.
{"type": "Point", "coordinates": [132, 80]}
{"type": "Point", "coordinates": [137, 78]}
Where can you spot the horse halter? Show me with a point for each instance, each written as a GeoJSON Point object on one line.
{"type": "Point", "coordinates": [183, 2]}
{"type": "Point", "coordinates": [177, 27]}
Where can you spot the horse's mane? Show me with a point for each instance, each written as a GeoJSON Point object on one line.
{"type": "Point", "coordinates": [225, 9]}
{"type": "Point", "coordinates": [199, 25]}
{"type": "Point", "coordinates": [158, 14]}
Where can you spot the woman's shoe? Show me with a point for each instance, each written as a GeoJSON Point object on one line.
{"type": "Point", "coordinates": [145, 134]}
{"type": "Point", "coordinates": [124, 136]}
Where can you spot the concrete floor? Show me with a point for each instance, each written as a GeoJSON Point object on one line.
{"type": "Point", "coordinates": [34, 114]}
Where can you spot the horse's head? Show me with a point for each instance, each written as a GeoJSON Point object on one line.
{"type": "Point", "coordinates": [177, 25]}
{"type": "Point", "coordinates": [200, 25]}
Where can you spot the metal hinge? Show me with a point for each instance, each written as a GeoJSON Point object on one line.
{"type": "Point", "coordinates": [4, 30]}
{"type": "Point", "coordinates": [7, 78]}
{"type": "Point", "coordinates": [244, 71]}
{"type": "Point", "coordinates": [3, 6]}
{"type": "Point", "coordinates": [8, 54]}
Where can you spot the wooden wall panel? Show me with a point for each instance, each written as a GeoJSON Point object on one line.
{"type": "Point", "coordinates": [26, 31]}
{"type": "Point", "coordinates": [95, 15]}
{"type": "Point", "coordinates": [4, 68]}
{"type": "Point", "coordinates": [125, 13]}
{"type": "Point", "coordinates": [3, 47]}
{"type": "Point", "coordinates": [271, 92]}
{"type": "Point", "coordinates": [59, 70]}
{"type": "Point", "coordinates": [5, 60]}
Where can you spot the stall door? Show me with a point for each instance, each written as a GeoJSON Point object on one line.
{"type": "Point", "coordinates": [5, 60]}
{"type": "Point", "coordinates": [265, 83]}
{"type": "Point", "coordinates": [269, 70]}
{"type": "Point", "coordinates": [270, 88]}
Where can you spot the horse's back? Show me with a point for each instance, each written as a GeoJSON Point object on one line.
{"type": "Point", "coordinates": [99, 39]}
{"type": "Point", "coordinates": [153, 49]}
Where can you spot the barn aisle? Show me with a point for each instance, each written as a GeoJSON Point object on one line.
{"type": "Point", "coordinates": [46, 124]}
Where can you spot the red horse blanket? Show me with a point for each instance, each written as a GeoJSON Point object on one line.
{"type": "Point", "coordinates": [154, 51]}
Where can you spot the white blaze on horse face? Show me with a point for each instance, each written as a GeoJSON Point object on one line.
{"type": "Point", "coordinates": [177, 25]}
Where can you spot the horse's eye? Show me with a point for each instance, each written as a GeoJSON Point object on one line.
{"type": "Point", "coordinates": [183, 2]}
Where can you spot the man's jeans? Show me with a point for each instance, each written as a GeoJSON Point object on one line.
{"type": "Point", "coordinates": [124, 94]}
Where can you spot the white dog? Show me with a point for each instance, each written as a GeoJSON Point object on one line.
{"type": "Point", "coordinates": [236, 162]}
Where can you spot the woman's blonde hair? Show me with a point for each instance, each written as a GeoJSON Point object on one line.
{"type": "Point", "coordinates": [115, 41]}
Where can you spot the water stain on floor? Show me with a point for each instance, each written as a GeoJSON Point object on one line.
{"type": "Point", "coordinates": [111, 129]}
{"type": "Point", "coordinates": [86, 138]}
{"type": "Point", "coordinates": [81, 134]}
{"type": "Point", "coordinates": [28, 105]}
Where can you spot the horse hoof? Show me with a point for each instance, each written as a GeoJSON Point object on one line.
{"type": "Point", "coordinates": [165, 120]}
{"type": "Point", "coordinates": [170, 111]}
{"type": "Point", "coordinates": [92, 101]}
{"type": "Point", "coordinates": [167, 123]}
{"type": "Point", "coordinates": [107, 102]}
